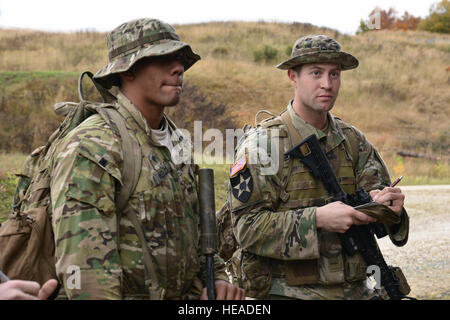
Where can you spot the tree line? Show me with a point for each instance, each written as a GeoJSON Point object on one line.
{"type": "Point", "coordinates": [438, 20]}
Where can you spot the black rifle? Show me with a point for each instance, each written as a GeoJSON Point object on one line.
{"type": "Point", "coordinates": [356, 238]}
{"type": "Point", "coordinates": [208, 226]}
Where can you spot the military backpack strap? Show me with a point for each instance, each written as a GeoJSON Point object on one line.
{"type": "Point", "coordinates": [131, 149]}
{"type": "Point", "coordinates": [132, 158]}
{"type": "Point", "coordinates": [294, 136]}
{"type": "Point", "coordinates": [354, 149]}
{"type": "Point", "coordinates": [107, 96]}
{"type": "Point", "coordinates": [351, 140]}
{"type": "Point", "coordinates": [132, 164]}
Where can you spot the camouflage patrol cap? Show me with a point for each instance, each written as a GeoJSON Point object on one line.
{"type": "Point", "coordinates": [318, 48]}
{"type": "Point", "coordinates": [136, 39]}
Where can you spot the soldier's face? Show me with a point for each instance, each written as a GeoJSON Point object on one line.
{"type": "Point", "coordinates": [316, 85]}
{"type": "Point", "coordinates": [160, 80]}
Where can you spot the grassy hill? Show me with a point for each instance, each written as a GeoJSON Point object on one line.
{"type": "Point", "coordinates": [399, 95]}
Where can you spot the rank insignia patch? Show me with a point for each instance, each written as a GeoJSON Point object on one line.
{"type": "Point", "coordinates": [242, 185]}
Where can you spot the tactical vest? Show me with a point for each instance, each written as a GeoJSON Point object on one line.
{"type": "Point", "coordinates": [299, 189]}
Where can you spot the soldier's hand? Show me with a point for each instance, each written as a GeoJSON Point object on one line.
{"type": "Point", "coordinates": [391, 197]}
{"type": "Point", "coordinates": [26, 290]}
{"type": "Point", "coordinates": [225, 291]}
{"type": "Point", "coordinates": [339, 217]}
{"type": "Point", "coordinates": [19, 290]}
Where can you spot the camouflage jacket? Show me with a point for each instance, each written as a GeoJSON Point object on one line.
{"type": "Point", "coordinates": [275, 227]}
{"type": "Point", "coordinates": [86, 175]}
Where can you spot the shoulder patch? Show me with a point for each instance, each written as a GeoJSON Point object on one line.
{"type": "Point", "coordinates": [238, 166]}
{"type": "Point", "coordinates": [242, 185]}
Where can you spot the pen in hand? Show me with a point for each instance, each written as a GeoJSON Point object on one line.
{"type": "Point", "coordinates": [396, 181]}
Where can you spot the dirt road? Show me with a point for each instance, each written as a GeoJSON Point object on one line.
{"type": "Point", "coordinates": [425, 259]}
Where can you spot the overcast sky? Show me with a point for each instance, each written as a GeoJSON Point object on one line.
{"type": "Point", "coordinates": [104, 15]}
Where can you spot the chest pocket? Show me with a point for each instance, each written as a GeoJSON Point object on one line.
{"type": "Point", "coordinates": [168, 189]}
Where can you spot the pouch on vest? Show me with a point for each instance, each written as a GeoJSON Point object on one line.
{"type": "Point", "coordinates": [253, 273]}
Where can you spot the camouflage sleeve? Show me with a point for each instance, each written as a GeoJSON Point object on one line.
{"type": "Point", "coordinates": [284, 235]}
{"type": "Point", "coordinates": [371, 173]}
{"type": "Point", "coordinates": [84, 219]}
{"type": "Point", "coordinates": [219, 269]}
{"type": "Point", "coordinates": [258, 225]}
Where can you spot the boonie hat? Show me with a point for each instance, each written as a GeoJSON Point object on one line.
{"type": "Point", "coordinates": [318, 48]}
{"type": "Point", "coordinates": [136, 39]}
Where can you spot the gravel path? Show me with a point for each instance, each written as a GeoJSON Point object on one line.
{"type": "Point", "coordinates": [425, 258]}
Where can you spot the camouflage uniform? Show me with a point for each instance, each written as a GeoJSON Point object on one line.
{"type": "Point", "coordinates": [282, 254]}
{"type": "Point", "coordinates": [87, 173]}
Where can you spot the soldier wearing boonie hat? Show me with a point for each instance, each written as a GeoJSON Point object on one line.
{"type": "Point", "coordinates": [284, 223]}
{"type": "Point", "coordinates": [137, 39]}
{"type": "Point", "coordinates": [319, 48]}
{"type": "Point", "coordinates": [152, 253]}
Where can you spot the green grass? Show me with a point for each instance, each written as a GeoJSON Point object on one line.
{"type": "Point", "coordinates": [10, 164]}
{"type": "Point", "coordinates": [7, 188]}
{"type": "Point", "coordinates": [8, 78]}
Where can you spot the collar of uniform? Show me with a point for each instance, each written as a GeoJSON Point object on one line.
{"type": "Point", "coordinates": [142, 123]}
{"type": "Point", "coordinates": [335, 135]}
{"type": "Point", "coordinates": [333, 138]}
{"type": "Point", "coordinates": [134, 112]}
{"type": "Point", "coordinates": [177, 134]}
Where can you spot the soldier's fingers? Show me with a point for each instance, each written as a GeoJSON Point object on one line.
{"type": "Point", "coordinates": [220, 291]}
{"type": "Point", "coordinates": [28, 287]}
{"type": "Point", "coordinates": [16, 294]}
{"type": "Point", "coordinates": [362, 218]}
{"type": "Point", "coordinates": [392, 199]}
{"type": "Point", "coordinates": [204, 296]}
{"type": "Point", "coordinates": [242, 294]}
{"type": "Point", "coordinates": [386, 191]}
{"type": "Point", "coordinates": [373, 193]}
{"type": "Point", "coordinates": [20, 295]}
{"type": "Point", "coordinates": [47, 289]}
{"type": "Point", "coordinates": [231, 292]}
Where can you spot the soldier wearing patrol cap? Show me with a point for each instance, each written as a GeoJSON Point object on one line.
{"type": "Point", "coordinates": [147, 61]}
{"type": "Point", "coordinates": [285, 223]}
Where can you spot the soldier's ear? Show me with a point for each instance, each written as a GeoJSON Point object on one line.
{"type": "Point", "coordinates": [293, 77]}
